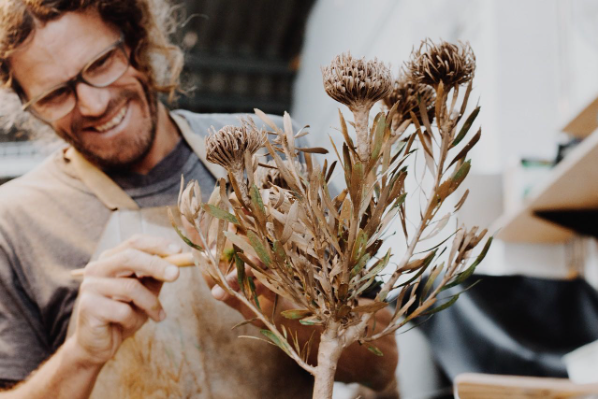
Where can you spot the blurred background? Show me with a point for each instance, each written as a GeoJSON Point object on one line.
{"type": "Point", "coordinates": [537, 82]}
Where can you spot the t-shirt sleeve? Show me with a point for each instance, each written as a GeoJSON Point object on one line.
{"type": "Point", "coordinates": [22, 346]}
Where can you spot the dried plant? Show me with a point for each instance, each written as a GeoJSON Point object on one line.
{"type": "Point", "coordinates": [231, 147]}
{"type": "Point", "coordinates": [319, 251]}
{"type": "Point", "coordinates": [358, 84]}
{"type": "Point", "coordinates": [451, 64]}
{"type": "Point", "coordinates": [407, 96]}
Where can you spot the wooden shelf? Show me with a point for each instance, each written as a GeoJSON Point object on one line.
{"type": "Point", "coordinates": [573, 184]}
{"type": "Point", "coordinates": [585, 122]}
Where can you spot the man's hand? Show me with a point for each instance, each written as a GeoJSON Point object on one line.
{"type": "Point", "coordinates": [356, 364]}
{"type": "Point", "coordinates": [119, 292]}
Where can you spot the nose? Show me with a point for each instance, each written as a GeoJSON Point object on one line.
{"type": "Point", "coordinates": [91, 101]}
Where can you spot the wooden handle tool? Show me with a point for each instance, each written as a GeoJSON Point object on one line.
{"type": "Point", "coordinates": [184, 259]}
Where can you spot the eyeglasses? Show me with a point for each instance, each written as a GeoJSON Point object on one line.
{"type": "Point", "coordinates": [102, 71]}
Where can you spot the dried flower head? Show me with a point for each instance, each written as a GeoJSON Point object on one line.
{"type": "Point", "coordinates": [407, 94]}
{"type": "Point", "coordinates": [266, 177]}
{"type": "Point", "coordinates": [227, 146]}
{"type": "Point", "coordinates": [356, 82]}
{"type": "Point", "coordinates": [451, 64]}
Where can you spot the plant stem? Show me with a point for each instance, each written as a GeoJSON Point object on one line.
{"type": "Point", "coordinates": [329, 352]}
{"type": "Point", "coordinates": [239, 176]}
{"type": "Point", "coordinates": [362, 114]}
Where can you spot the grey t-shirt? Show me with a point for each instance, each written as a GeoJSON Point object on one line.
{"type": "Point", "coordinates": [50, 223]}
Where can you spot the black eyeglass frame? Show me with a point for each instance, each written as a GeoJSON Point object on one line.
{"type": "Point", "coordinates": [74, 81]}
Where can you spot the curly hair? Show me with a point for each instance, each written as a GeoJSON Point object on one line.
{"type": "Point", "coordinates": [144, 23]}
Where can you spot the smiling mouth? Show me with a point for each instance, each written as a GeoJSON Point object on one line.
{"type": "Point", "coordinates": [117, 119]}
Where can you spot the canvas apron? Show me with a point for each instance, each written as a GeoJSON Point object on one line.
{"type": "Point", "coordinates": [193, 353]}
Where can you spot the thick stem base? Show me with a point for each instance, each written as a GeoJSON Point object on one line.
{"type": "Point", "coordinates": [329, 352]}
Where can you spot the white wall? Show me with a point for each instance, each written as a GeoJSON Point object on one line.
{"type": "Point", "coordinates": [537, 66]}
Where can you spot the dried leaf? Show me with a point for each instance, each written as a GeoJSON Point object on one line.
{"type": "Point", "coordinates": [380, 126]}
{"type": "Point", "coordinates": [461, 201]}
{"type": "Point", "coordinates": [244, 322]}
{"type": "Point", "coordinates": [439, 225]}
{"type": "Point", "coordinates": [279, 253]}
{"type": "Point", "coordinates": [288, 129]}
{"type": "Point", "coordinates": [290, 222]}
{"type": "Point", "coordinates": [431, 278]}
{"type": "Point", "coordinates": [313, 150]}
{"type": "Point", "coordinates": [370, 307]}
{"type": "Point", "coordinates": [345, 132]}
{"type": "Point", "coordinates": [343, 291]}
{"type": "Point", "coordinates": [241, 243]}
{"type": "Point", "coordinates": [265, 119]}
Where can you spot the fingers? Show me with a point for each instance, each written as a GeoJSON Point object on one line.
{"type": "Point", "coordinates": [110, 311]}
{"type": "Point", "coordinates": [127, 290]}
{"type": "Point", "coordinates": [133, 262]}
{"type": "Point", "coordinates": [150, 244]}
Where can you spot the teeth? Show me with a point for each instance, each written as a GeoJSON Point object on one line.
{"type": "Point", "coordinates": [113, 122]}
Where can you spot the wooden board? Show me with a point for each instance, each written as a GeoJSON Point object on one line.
{"type": "Point", "coordinates": [573, 184]}
{"type": "Point", "coordinates": [585, 122]}
{"type": "Point", "coordinates": [486, 386]}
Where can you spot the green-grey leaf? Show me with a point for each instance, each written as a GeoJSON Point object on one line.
{"type": "Point", "coordinates": [281, 344]}
{"type": "Point", "coordinates": [466, 126]}
{"type": "Point", "coordinates": [254, 293]}
{"type": "Point", "coordinates": [296, 314]}
{"type": "Point", "coordinates": [400, 199]}
{"type": "Point", "coordinates": [374, 350]}
{"type": "Point", "coordinates": [461, 277]}
{"type": "Point", "coordinates": [311, 321]}
{"type": "Point", "coordinates": [185, 239]}
{"type": "Point", "coordinates": [240, 272]}
{"type": "Point", "coordinates": [220, 213]}
{"type": "Point", "coordinates": [423, 268]}
{"type": "Point", "coordinates": [360, 265]}
{"type": "Point", "coordinates": [377, 268]}
{"type": "Point", "coordinates": [445, 305]}
{"type": "Point", "coordinates": [257, 245]}
{"type": "Point", "coordinates": [256, 199]}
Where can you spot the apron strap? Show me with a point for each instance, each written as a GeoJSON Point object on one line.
{"type": "Point", "coordinates": [197, 144]}
{"type": "Point", "coordinates": [103, 187]}
{"type": "Point", "coordinates": [110, 193]}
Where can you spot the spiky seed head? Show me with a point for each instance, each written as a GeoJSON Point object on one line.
{"type": "Point", "coordinates": [451, 64]}
{"type": "Point", "coordinates": [356, 82]}
{"type": "Point", "coordinates": [407, 94]}
{"type": "Point", "coordinates": [227, 146]}
{"type": "Point", "coordinates": [265, 177]}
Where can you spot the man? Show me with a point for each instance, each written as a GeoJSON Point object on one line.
{"type": "Point", "coordinates": [85, 68]}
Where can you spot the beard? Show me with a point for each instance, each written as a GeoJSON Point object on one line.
{"type": "Point", "coordinates": [124, 152]}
